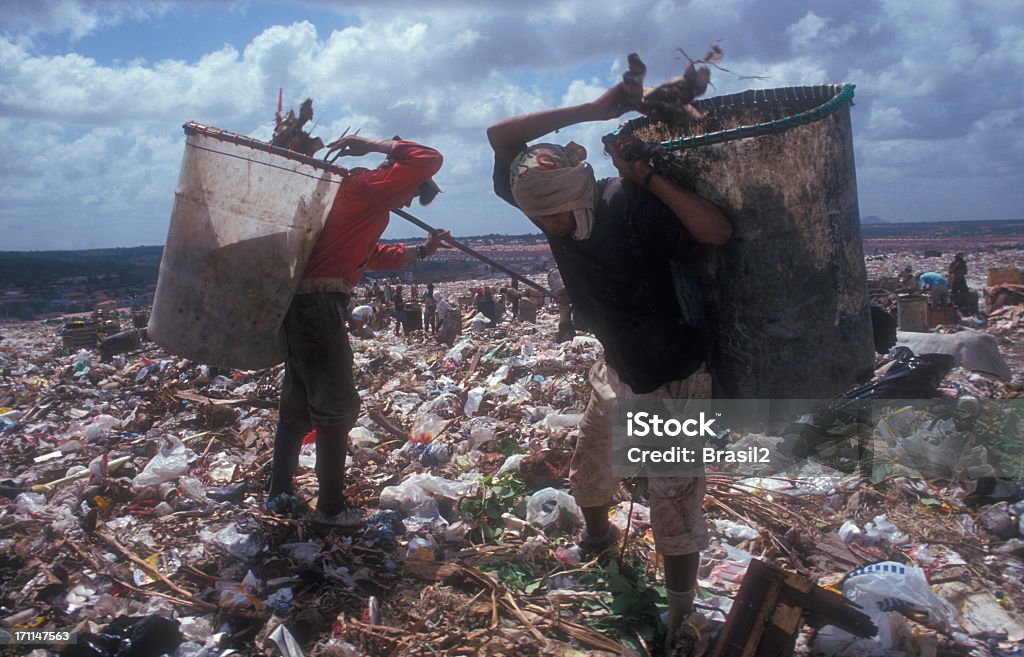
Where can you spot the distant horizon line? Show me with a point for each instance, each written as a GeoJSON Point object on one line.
{"type": "Point", "coordinates": [883, 220]}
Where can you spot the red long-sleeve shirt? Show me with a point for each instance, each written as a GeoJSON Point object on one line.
{"type": "Point", "coordinates": [348, 243]}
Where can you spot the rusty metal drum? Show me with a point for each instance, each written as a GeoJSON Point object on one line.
{"type": "Point", "coordinates": [785, 302]}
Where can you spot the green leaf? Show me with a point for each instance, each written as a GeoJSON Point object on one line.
{"type": "Point", "coordinates": [624, 603]}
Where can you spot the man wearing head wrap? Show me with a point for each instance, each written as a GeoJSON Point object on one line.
{"type": "Point", "coordinates": [613, 241]}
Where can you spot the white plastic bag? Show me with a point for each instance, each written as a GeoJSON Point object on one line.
{"type": "Point", "coordinates": [882, 587]}
{"type": "Point", "coordinates": [417, 496]}
{"type": "Point", "coordinates": [101, 426]}
{"type": "Point", "coordinates": [561, 420]}
{"type": "Point", "coordinates": [170, 463]}
{"type": "Point", "coordinates": [548, 505]}
{"type": "Point", "coordinates": [473, 400]}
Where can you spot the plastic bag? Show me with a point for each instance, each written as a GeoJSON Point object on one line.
{"type": "Point", "coordinates": [304, 553]}
{"type": "Point", "coordinates": [435, 454]}
{"type": "Point", "coordinates": [734, 531]}
{"type": "Point", "coordinates": [480, 436]}
{"type": "Point", "coordinates": [943, 452]}
{"type": "Point", "coordinates": [511, 464]}
{"type": "Point", "coordinates": [548, 506]}
{"type": "Point", "coordinates": [883, 587]}
{"type": "Point", "coordinates": [429, 455]}
{"type": "Point", "coordinates": [30, 504]}
{"type": "Point", "coordinates": [101, 426]}
{"type": "Point", "coordinates": [561, 420]}
{"type": "Point", "coordinates": [234, 542]}
{"type": "Point", "coordinates": [849, 532]}
{"type": "Point", "coordinates": [240, 594]}
{"type": "Point", "coordinates": [417, 496]}
{"type": "Point", "coordinates": [127, 635]}
{"type": "Point", "coordinates": [730, 571]}
{"type": "Point", "coordinates": [426, 428]}
{"type": "Point", "coordinates": [455, 354]}
{"type": "Point", "coordinates": [880, 529]}
{"type": "Point", "coordinates": [170, 463]}
{"type": "Point", "coordinates": [909, 377]}
{"type": "Point", "coordinates": [362, 437]}
{"type": "Point", "coordinates": [641, 516]}
{"type": "Point", "coordinates": [473, 400]}
{"type": "Point", "coordinates": [191, 488]}
{"type": "Point", "coordinates": [411, 500]}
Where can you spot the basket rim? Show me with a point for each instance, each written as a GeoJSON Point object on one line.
{"type": "Point", "coordinates": [834, 97]}
{"type": "Point", "coordinates": [196, 128]}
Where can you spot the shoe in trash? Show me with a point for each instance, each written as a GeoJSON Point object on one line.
{"type": "Point", "coordinates": [349, 517]}
{"type": "Point", "coordinates": [283, 504]}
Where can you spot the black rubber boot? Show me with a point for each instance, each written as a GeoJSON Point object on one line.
{"type": "Point", "coordinates": [287, 445]}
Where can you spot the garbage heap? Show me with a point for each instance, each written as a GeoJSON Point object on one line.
{"type": "Point", "coordinates": [132, 490]}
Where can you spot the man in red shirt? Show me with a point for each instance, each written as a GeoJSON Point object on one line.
{"type": "Point", "coordinates": [318, 389]}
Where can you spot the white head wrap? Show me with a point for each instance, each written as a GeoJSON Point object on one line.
{"type": "Point", "coordinates": [548, 179]}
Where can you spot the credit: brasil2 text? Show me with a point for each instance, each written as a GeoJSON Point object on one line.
{"type": "Point", "coordinates": [708, 455]}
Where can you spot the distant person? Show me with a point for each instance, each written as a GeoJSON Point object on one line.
{"type": "Point", "coordinates": [359, 324]}
{"type": "Point", "coordinates": [399, 305]}
{"type": "Point", "coordinates": [958, 274]}
{"type": "Point", "coordinates": [908, 283]}
{"type": "Point", "coordinates": [429, 311]}
{"type": "Point", "coordinates": [485, 304]}
{"type": "Point", "coordinates": [511, 294]}
{"type": "Point", "coordinates": [936, 286]}
{"type": "Point", "coordinates": [566, 330]}
{"type": "Point", "coordinates": [449, 320]}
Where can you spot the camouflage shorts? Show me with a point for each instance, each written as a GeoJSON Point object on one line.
{"type": "Point", "coordinates": [677, 515]}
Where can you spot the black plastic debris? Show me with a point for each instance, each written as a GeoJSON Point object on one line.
{"type": "Point", "coordinates": [129, 636]}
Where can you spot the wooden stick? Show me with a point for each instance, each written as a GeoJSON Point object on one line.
{"type": "Point", "coordinates": [54, 485]}
{"type": "Point", "coordinates": [379, 418]}
{"type": "Point", "coordinates": [88, 558]}
{"type": "Point", "coordinates": [110, 540]}
{"type": "Point", "coordinates": [185, 603]}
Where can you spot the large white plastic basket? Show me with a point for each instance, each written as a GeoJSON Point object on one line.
{"type": "Point", "coordinates": [246, 216]}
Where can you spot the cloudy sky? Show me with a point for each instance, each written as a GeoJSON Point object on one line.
{"type": "Point", "coordinates": [93, 93]}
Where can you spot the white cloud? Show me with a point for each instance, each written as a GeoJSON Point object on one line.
{"type": "Point", "coordinates": [887, 122]}
{"type": "Point", "coordinates": [813, 31]}
{"type": "Point", "coordinates": [92, 144]}
{"type": "Point", "coordinates": [75, 18]}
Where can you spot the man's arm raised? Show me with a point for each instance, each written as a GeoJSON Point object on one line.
{"type": "Point", "coordinates": [508, 137]}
